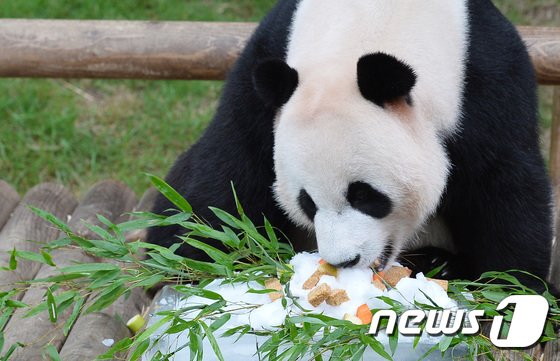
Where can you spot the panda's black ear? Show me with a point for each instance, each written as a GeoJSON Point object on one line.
{"type": "Point", "coordinates": [275, 81]}
{"type": "Point", "coordinates": [382, 78]}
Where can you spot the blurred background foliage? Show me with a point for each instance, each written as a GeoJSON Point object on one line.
{"type": "Point", "coordinates": [77, 132]}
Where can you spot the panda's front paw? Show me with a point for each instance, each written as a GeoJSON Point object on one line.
{"type": "Point", "coordinates": [429, 259]}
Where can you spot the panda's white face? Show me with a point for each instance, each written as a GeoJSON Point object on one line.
{"type": "Point", "coordinates": [364, 103]}
{"type": "Point", "coordinates": [364, 177]}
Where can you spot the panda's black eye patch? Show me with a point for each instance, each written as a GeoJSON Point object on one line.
{"type": "Point", "coordinates": [367, 200]}
{"type": "Point", "coordinates": [382, 79]}
{"type": "Point", "coordinates": [307, 204]}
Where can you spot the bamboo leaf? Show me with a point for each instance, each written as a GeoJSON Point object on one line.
{"type": "Point", "coordinates": [73, 316]}
{"type": "Point", "coordinates": [88, 268]}
{"type": "Point", "coordinates": [48, 258]}
{"type": "Point", "coordinates": [220, 321]}
{"type": "Point", "coordinates": [107, 297]}
{"type": "Point", "coordinates": [213, 343]}
{"type": "Point", "coordinates": [171, 194]}
{"type": "Point", "coordinates": [52, 352]}
{"type": "Point", "coordinates": [42, 257]}
{"type": "Point", "coordinates": [15, 304]}
{"type": "Point", "coordinates": [206, 267]}
{"type": "Point", "coordinates": [214, 253]}
{"type": "Point", "coordinates": [195, 344]}
{"type": "Point", "coordinates": [51, 306]}
{"type": "Point", "coordinates": [13, 260]}
{"type": "Point", "coordinates": [444, 343]}
{"type": "Point", "coordinates": [51, 218]}
{"type": "Point", "coordinates": [240, 210]}
{"type": "Point", "coordinates": [140, 349]}
{"type": "Point", "coordinates": [376, 346]}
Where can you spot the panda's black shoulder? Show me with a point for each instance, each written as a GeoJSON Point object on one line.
{"type": "Point", "coordinates": [500, 86]}
{"type": "Point", "coordinates": [237, 145]}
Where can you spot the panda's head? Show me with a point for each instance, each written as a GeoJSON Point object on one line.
{"type": "Point", "coordinates": [356, 159]}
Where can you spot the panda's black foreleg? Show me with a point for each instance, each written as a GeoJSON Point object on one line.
{"type": "Point", "coordinates": [500, 218]}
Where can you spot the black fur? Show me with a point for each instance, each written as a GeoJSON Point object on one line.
{"type": "Point", "coordinates": [236, 146]}
{"type": "Point", "coordinates": [350, 263]}
{"type": "Point", "coordinates": [382, 78]}
{"type": "Point", "coordinates": [367, 200]}
{"type": "Point", "coordinates": [497, 205]}
{"type": "Point", "coordinates": [275, 81]}
{"type": "Point", "coordinates": [307, 205]}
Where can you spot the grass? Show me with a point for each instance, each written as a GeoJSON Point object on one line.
{"type": "Point", "coordinates": [78, 132]}
{"type": "Point", "coordinates": [81, 131]}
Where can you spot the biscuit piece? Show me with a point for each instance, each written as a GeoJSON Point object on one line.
{"type": "Point", "coordinates": [337, 297]}
{"type": "Point", "coordinates": [312, 281]}
{"type": "Point", "coordinates": [379, 285]}
{"type": "Point", "coordinates": [319, 294]}
{"type": "Point", "coordinates": [274, 284]}
{"type": "Point", "coordinates": [443, 283]}
{"type": "Point", "coordinates": [395, 274]}
{"type": "Point", "coordinates": [354, 319]}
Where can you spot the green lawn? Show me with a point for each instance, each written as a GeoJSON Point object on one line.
{"type": "Point", "coordinates": [80, 131]}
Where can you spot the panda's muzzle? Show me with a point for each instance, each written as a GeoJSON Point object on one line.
{"type": "Point", "coordinates": [350, 263]}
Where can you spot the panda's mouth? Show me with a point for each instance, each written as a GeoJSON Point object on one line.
{"type": "Point", "coordinates": [381, 262]}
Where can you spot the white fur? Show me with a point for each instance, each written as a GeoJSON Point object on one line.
{"type": "Point", "coordinates": [328, 136]}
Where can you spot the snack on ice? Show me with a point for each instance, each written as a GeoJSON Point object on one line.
{"type": "Point", "coordinates": [378, 276]}
{"type": "Point", "coordinates": [312, 281]}
{"type": "Point", "coordinates": [379, 284]}
{"type": "Point", "coordinates": [351, 294]}
{"type": "Point", "coordinates": [324, 269]}
{"type": "Point", "coordinates": [337, 297]}
{"type": "Point", "coordinates": [319, 294]}
{"type": "Point", "coordinates": [274, 284]}
{"type": "Point", "coordinates": [364, 314]}
{"type": "Point", "coordinates": [354, 319]}
{"type": "Point", "coordinates": [346, 293]}
{"type": "Point", "coordinates": [443, 283]}
{"type": "Point", "coordinates": [395, 274]}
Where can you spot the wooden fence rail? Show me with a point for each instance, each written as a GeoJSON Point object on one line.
{"type": "Point", "coordinates": [165, 50]}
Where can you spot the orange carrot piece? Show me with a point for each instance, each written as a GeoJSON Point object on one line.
{"type": "Point", "coordinates": [378, 276]}
{"type": "Point", "coordinates": [364, 314]}
{"type": "Point", "coordinates": [322, 261]}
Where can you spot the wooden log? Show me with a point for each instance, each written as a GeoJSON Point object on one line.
{"type": "Point", "coordinates": [555, 145]}
{"type": "Point", "coordinates": [85, 341]}
{"type": "Point", "coordinates": [535, 352]}
{"type": "Point", "coordinates": [552, 351]}
{"type": "Point", "coordinates": [86, 338]}
{"type": "Point", "coordinates": [544, 48]}
{"type": "Point", "coordinates": [24, 226]}
{"type": "Point", "coordinates": [165, 50]}
{"type": "Point", "coordinates": [119, 49]}
{"type": "Point", "coordinates": [555, 176]}
{"type": "Point", "coordinates": [147, 201]}
{"type": "Point", "coordinates": [9, 199]}
{"type": "Point", "coordinates": [110, 199]}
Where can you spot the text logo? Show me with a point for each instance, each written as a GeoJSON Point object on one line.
{"type": "Point", "coordinates": [525, 329]}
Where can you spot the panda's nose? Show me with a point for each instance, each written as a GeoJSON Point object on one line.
{"type": "Point", "coordinates": [348, 264]}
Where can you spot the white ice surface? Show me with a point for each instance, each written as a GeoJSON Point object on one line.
{"type": "Point", "coordinates": [258, 311]}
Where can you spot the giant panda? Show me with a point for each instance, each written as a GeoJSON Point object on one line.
{"type": "Point", "coordinates": [378, 127]}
